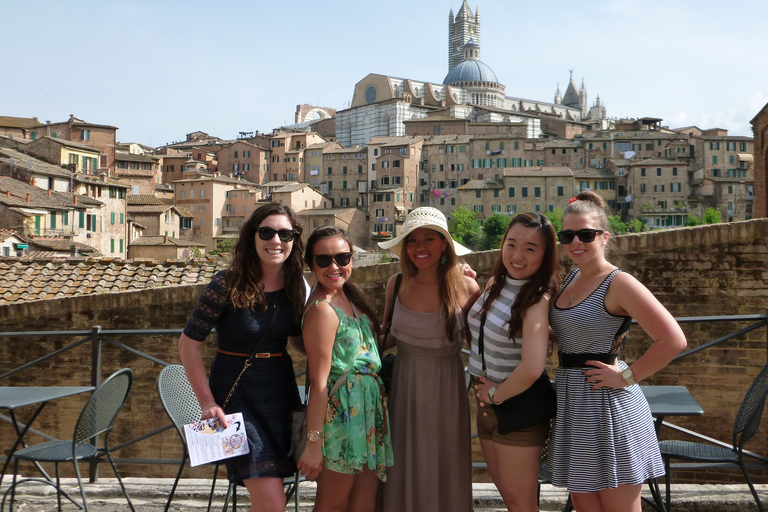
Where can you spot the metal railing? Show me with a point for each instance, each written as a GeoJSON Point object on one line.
{"type": "Point", "coordinates": [98, 337]}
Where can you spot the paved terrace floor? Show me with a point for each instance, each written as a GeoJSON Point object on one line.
{"type": "Point", "coordinates": [149, 495]}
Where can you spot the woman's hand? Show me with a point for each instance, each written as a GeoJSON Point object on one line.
{"type": "Point", "coordinates": [311, 462]}
{"type": "Point", "coordinates": [212, 410]}
{"type": "Point", "coordinates": [605, 375]}
{"type": "Point", "coordinates": [467, 270]}
{"type": "Point", "coordinates": [482, 385]}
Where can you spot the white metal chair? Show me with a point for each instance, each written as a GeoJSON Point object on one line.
{"type": "Point", "coordinates": [182, 407]}
{"type": "Point", "coordinates": [97, 417]}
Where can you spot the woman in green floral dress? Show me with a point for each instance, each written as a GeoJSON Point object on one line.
{"type": "Point", "coordinates": [348, 447]}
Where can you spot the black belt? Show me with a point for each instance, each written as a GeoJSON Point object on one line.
{"type": "Point", "coordinates": [580, 360]}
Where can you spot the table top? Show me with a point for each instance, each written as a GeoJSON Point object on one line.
{"type": "Point", "coordinates": [12, 397]}
{"type": "Point", "coordinates": [671, 401]}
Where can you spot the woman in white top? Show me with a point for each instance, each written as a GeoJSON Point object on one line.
{"type": "Point", "coordinates": [516, 338]}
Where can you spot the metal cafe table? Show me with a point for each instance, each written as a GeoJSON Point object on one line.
{"type": "Point", "coordinates": [668, 401]}
{"type": "Point", "coordinates": [13, 397]}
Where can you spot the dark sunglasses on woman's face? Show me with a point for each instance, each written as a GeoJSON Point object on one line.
{"type": "Point", "coordinates": [341, 259]}
{"type": "Point", "coordinates": [286, 235]}
{"type": "Point", "coordinates": [585, 235]}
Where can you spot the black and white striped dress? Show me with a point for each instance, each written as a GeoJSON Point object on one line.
{"type": "Point", "coordinates": [605, 437]}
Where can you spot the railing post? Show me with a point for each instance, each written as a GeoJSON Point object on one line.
{"type": "Point", "coordinates": [93, 465]}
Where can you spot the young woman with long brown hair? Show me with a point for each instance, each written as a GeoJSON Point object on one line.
{"type": "Point", "coordinates": [259, 297]}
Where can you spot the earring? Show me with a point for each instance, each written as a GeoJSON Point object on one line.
{"type": "Point", "coordinates": [442, 258]}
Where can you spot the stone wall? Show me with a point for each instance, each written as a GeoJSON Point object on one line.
{"type": "Point", "coordinates": [701, 271]}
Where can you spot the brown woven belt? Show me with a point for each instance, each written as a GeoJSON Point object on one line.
{"type": "Point", "coordinates": [258, 355]}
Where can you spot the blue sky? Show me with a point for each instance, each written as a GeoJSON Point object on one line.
{"type": "Point", "coordinates": [159, 69]}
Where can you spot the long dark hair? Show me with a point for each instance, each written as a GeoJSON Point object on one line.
{"type": "Point", "coordinates": [543, 281]}
{"type": "Point", "coordinates": [450, 279]}
{"type": "Point", "coordinates": [352, 290]}
{"type": "Point", "coordinates": [244, 276]}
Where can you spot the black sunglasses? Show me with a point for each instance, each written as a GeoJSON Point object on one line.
{"type": "Point", "coordinates": [341, 259]}
{"type": "Point", "coordinates": [286, 235]}
{"type": "Point", "coordinates": [585, 235]}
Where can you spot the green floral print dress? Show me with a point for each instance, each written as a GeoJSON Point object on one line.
{"type": "Point", "coordinates": [356, 431]}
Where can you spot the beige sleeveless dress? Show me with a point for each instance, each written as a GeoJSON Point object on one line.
{"type": "Point", "coordinates": [429, 418]}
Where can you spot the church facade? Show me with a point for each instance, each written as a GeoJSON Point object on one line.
{"type": "Point", "coordinates": [471, 90]}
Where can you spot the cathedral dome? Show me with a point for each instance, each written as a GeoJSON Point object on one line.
{"type": "Point", "coordinates": [470, 70]}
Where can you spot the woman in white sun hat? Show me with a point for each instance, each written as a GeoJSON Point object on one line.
{"type": "Point", "coordinates": [428, 404]}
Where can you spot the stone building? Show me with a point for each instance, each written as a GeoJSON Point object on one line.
{"type": "Point", "coordinates": [471, 90]}
{"type": "Point", "coordinates": [760, 131]}
{"type": "Point", "coordinates": [99, 136]}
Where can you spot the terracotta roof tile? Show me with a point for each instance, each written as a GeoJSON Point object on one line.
{"type": "Point", "coordinates": [24, 280]}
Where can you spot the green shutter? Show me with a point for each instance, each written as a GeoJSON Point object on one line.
{"type": "Point", "coordinates": [81, 222]}
{"type": "Point", "coordinates": [112, 217]}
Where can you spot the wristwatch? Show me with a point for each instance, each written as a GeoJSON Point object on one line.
{"type": "Point", "coordinates": [628, 376]}
{"type": "Point", "coordinates": [490, 396]}
{"type": "Point", "coordinates": [314, 436]}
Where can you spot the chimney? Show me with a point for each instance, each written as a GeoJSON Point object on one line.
{"type": "Point", "coordinates": [49, 192]}
{"type": "Point", "coordinates": [27, 198]}
{"type": "Point", "coordinates": [75, 200]}
{"type": "Point", "coordinates": [165, 239]}
{"type": "Point", "coordinates": [7, 193]}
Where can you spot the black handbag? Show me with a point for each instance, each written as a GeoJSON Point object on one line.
{"type": "Point", "coordinates": [535, 405]}
{"type": "Point", "coordinates": [388, 361]}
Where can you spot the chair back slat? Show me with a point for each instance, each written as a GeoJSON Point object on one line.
{"type": "Point", "coordinates": [177, 397]}
{"type": "Point", "coordinates": [750, 413]}
{"type": "Point", "coordinates": [100, 412]}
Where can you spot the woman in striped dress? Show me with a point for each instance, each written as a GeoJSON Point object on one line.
{"type": "Point", "coordinates": [604, 446]}
{"type": "Point", "coordinates": [515, 343]}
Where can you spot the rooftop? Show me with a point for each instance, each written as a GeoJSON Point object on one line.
{"type": "Point", "coordinates": [24, 281]}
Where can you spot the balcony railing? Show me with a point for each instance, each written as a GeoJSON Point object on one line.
{"type": "Point", "coordinates": [98, 338]}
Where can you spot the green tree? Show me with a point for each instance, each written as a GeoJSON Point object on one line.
{"type": "Point", "coordinates": [635, 226]}
{"type": "Point", "coordinates": [493, 230]}
{"type": "Point", "coordinates": [225, 245]}
{"type": "Point", "coordinates": [616, 226]}
{"type": "Point", "coordinates": [195, 253]}
{"type": "Point", "coordinates": [556, 218]}
{"type": "Point", "coordinates": [692, 220]}
{"type": "Point", "coordinates": [464, 227]}
{"type": "Point", "coordinates": [711, 216]}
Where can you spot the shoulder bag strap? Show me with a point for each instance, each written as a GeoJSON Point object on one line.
{"type": "Point", "coordinates": [388, 324]}
{"type": "Point", "coordinates": [480, 344]}
{"type": "Point", "coordinates": [249, 361]}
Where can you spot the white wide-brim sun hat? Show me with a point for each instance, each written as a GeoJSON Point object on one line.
{"type": "Point", "coordinates": [424, 217]}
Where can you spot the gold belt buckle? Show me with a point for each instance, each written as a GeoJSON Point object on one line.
{"type": "Point", "coordinates": [262, 355]}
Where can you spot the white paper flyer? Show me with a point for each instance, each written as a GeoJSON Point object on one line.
{"type": "Point", "coordinates": [208, 441]}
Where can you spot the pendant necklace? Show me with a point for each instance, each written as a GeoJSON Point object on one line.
{"type": "Point", "coordinates": [573, 292]}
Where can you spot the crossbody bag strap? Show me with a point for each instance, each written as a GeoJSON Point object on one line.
{"type": "Point", "coordinates": [388, 324]}
{"type": "Point", "coordinates": [480, 344]}
{"type": "Point", "coordinates": [249, 361]}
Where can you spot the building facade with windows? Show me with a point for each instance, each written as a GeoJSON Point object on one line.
{"type": "Point", "coordinates": [244, 160]}
{"type": "Point", "coordinates": [205, 196]}
{"type": "Point", "coordinates": [101, 137]}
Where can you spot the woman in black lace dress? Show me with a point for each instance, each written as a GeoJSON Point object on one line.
{"type": "Point", "coordinates": [263, 281]}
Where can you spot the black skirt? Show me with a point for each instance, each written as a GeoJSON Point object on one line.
{"type": "Point", "coordinates": [266, 395]}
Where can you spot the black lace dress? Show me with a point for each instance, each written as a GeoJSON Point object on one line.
{"type": "Point", "coordinates": [267, 392]}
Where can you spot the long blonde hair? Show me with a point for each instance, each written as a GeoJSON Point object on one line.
{"type": "Point", "coordinates": [450, 281]}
